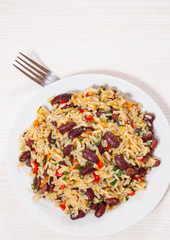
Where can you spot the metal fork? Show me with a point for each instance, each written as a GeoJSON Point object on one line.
{"type": "Point", "coordinates": [36, 72]}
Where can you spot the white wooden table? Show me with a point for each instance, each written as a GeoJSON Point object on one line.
{"type": "Point", "coordinates": [129, 39]}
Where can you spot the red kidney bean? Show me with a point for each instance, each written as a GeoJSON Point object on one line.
{"type": "Point", "coordinates": [87, 170]}
{"type": "Point", "coordinates": [66, 127]}
{"type": "Point", "coordinates": [24, 134]}
{"type": "Point", "coordinates": [150, 127]}
{"type": "Point", "coordinates": [63, 163]}
{"type": "Point", "coordinates": [81, 214]}
{"type": "Point", "coordinates": [68, 149]}
{"type": "Point", "coordinates": [151, 117]}
{"type": "Point", "coordinates": [44, 161]}
{"type": "Point", "coordinates": [99, 113]}
{"type": "Point", "coordinates": [101, 148]}
{"type": "Point", "coordinates": [44, 188]}
{"type": "Point", "coordinates": [54, 123]}
{"type": "Point", "coordinates": [68, 106]}
{"type": "Point", "coordinates": [75, 132]}
{"type": "Point", "coordinates": [50, 139]}
{"type": "Point", "coordinates": [90, 156]}
{"type": "Point", "coordinates": [29, 142]}
{"type": "Point", "coordinates": [51, 185]}
{"type": "Point", "coordinates": [112, 109]}
{"type": "Point", "coordinates": [112, 201]}
{"type": "Point", "coordinates": [90, 194]}
{"type": "Point", "coordinates": [157, 163]}
{"type": "Point", "coordinates": [94, 206]}
{"type": "Point", "coordinates": [147, 137]}
{"type": "Point", "coordinates": [62, 97]}
{"type": "Point", "coordinates": [121, 163]}
{"type": "Point", "coordinates": [130, 171]}
{"type": "Point", "coordinates": [146, 158]}
{"type": "Point", "coordinates": [45, 174]}
{"type": "Point", "coordinates": [28, 163]}
{"type": "Point", "coordinates": [24, 156]}
{"type": "Point", "coordinates": [142, 171]}
{"type": "Point", "coordinates": [154, 143]}
{"type": "Point", "coordinates": [100, 210]}
{"type": "Point", "coordinates": [37, 182]}
{"type": "Point", "coordinates": [71, 159]}
{"type": "Point", "coordinates": [75, 188]}
{"type": "Point", "coordinates": [111, 140]}
{"type": "Point", "coordinates": [115, 117]}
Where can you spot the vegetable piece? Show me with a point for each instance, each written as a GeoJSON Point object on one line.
{"type": "Point", "coordinates": [62, 101]}
{"type": "Point", "coordinates": [62, 186]}
{"type": "Point", "coordinates": [35, 167]}
{"type": "Point", "coordinates": [100, 164]}
{"type": "Point", "coordinates": [44, 181]}
{"type": "Point", "coordinates": [138, 178]}
{"type": "Point", "coordinates": [114, 182]}
{"type": "Point", "coordinates": [57, 173]}
{"type": "Point", "coordinates": [89, 118]}
{"type": "Point", "coordinates": [82, 110]}
{"type": "Point", "coordinates": [96, 178]}
{"type": "Point", "coordinates": [132, 193]}
{"type": "Point", "coordinates": [36, 122]}
{"type": "Point", "coordinates": [63, 206]}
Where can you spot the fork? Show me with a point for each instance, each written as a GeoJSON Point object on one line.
{"type": "Point", "coordinates": [35, 72]}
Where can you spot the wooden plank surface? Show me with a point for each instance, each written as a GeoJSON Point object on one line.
{"type": "Point", "coordinates": [129, 39]}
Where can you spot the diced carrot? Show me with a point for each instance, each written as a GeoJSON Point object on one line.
{"type": "Point", "coordinates": [36, 122]}
{"type": "Point", "coordinates": [76, 166]}
{"type": "Point", "coordinates": [44, 181]}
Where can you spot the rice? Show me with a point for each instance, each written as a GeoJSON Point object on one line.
{"type": "Point", "coordinates": [58, 158]}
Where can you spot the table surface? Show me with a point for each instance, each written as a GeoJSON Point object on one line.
{"type": "Point", "coordinates": [129, 39]}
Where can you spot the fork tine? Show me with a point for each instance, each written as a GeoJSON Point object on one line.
{"type": "Point", "coordinates": [35, 69]}
{"type": "Point", "coordinates": [29, 70]}
{"type": "Point", "coordinates": [35, 63]}
{"type": "Point", "coordinates": [28, 75]}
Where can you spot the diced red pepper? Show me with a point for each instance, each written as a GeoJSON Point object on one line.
{"type": "Point", "coordinates": [131, 124]}
{"type": "Point", "coordinates": [112, 98]}
{"type": "Point", "coordinates": [57, 173]}
{"type": "Point", "coordinates": [138, 178]}
{"type": "Point", "coordinates": [63, 206]}
{"type": "Point", "coordinates": [96, 178]}
{"type": "Point", "coordinates": [62, 186]}
{"type": "Point", "coordinates": [82, 110]}
{"type": "Point", "coordinates": [35, 167]}
{"type": "Point", "coordinates": [62, 101]}
{"type": "Point", "coordinates": [141, 160]}
{"type": "Point", "coordinates": [76, 166]}
{"type": "Point", "coordinates": [89, 118]}
{"type": "Point", "coordinates": [33, 149]}
{"type": "Point", "coordinates": [108, 147]}
{"type": "Point", "coordinates": [100, 164]}
{"type": "Point", "coordinates": [87, 94]}
{"type": "Point", "coordinates": [132, 193]}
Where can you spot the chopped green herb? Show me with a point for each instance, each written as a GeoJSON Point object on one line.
{"type": "Point", "coordinates": [52, 140]}
{"type": "Point", "coordinates": [75, 147]}
{"type": "Point", "coordinates": [107, 119]}
{"type": "Point", "coordinates": [120, 173]}
{"type": "Point", "coordinates": [104, 180]}
{"type": "Point", "coordinates": [80, 168]}
{"type": "Point", "coordinates": [114, 182]}
{"type": "Point", "coordinates": [115, 168]}
{"type": "Point", "coordinates": [32, 186]}
{"type": "Point", "coordinates": [64, 178]}
{"type": "Point", "coordinates": [81, 177]}
{"type": "Point", "coordinates": [53, 135]}
{"type": "Point", "coordinates": [130, 157]}
{"type": "Point", "coordinates": [66, 173]}
{"type": "Point", "coordinates": [49, 145]}
{"type": "Point", "coordinates": [120, 125]}
{"type": "Point", "coordinates": [146, 168]}
{"type": "Point", "coordinates": [127, 123]}
{"type": "Point", "coordinates": [96, 143]}
{"type": "Point", "coordinates": [54, 164]}
{"type": "Point", "coordinates": [100, 203]}
{"type": "Point", "coordinates": [66, 113]}
{"type": "Point", "coordinates": [40, 107]}
{"type": "Point", "coordinates": [80, 139]}
{"type": "Point", "coordinates": [99, 92]}
{"type": "Point", "coordinates": [101, 137]}
{"type": "Point", "coordinates": [127, 199]}
{"type": "Point", "coordinates": [139, 131]}
{"type": "Point", "coordinates": [82, 192]}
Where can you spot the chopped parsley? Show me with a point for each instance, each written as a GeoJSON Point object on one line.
{"type": "Point", "coordinates": [80, 168]}
{"type": "Point", "coordinates": [66, 113]}
{"type": "Point", "coordinates": [115, 168]}
{"type": "Point", "coordinates": [52, 140]}
{"type": "Point", "coordinates": [130, 157]}
{"type": "Point", "coordinates": [64, 178]}
{"type": "Point", "coordinates": [40, 107]}
{"type": "Point", "coordinates": [99, 92]}
{"type": "Point", "coordinates": [81, 177]}
{"type": "Point", "coordinates": [49, 145]}
{"type": "Point", "coordinates": [80, 139]}
{"type": "Point", "coordinates": [114, 182]}
{"type": "Point", "coordinates": [107, 119]}
{"type": "Point", "coordinates": [66, 173]}
{"type": "Point", "coordinates": [75, 148]}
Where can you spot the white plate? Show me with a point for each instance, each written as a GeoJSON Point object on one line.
{"type": "Point", "coordinates": [126, 214]}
